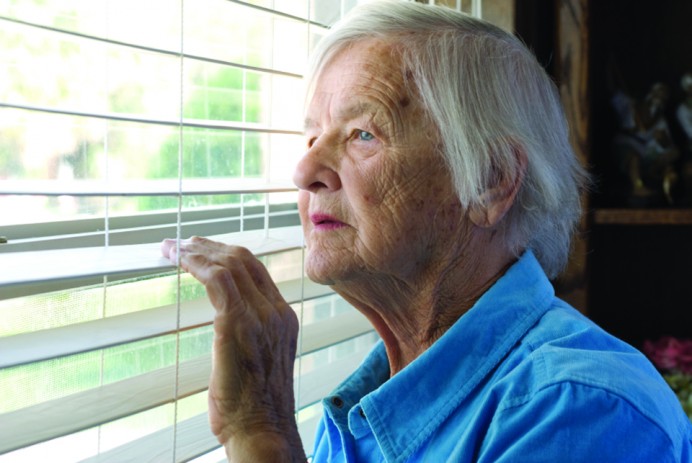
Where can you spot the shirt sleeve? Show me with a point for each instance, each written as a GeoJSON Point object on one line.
{"type": "Point", "coordinates": [570, 422]}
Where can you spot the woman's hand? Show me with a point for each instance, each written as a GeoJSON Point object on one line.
{"type": "Point", "coordinates": [251, 402]}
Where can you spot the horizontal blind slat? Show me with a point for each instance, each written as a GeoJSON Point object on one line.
{"type": "Point", "coordinates": [173, 187]}
{"type": "Point", "coordinates": [24, 268]}
{"type": "Point", "coordinates": [152, 234]}
{"type": "Point", "coordinates": [185, 123]}
{"type": "Point", "coordinates": [194, 439]}
{"type": "Point", "coordinates": [148, 229]}
{"type": "Point", "coordinates": [143, 219]}
{"type": "Point", "coordinates": [278, 12]}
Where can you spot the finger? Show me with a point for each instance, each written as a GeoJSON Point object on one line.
{"type": "Point", "coordinates": [230, 286]}
{"type": "Point", "coordinates": [257, 271]}
{"type": "Point", "coordinates": [170, 248]}
{"type": "Point", "coordinates": [227, 255]}
{"type": "Point", "coordinates": [206, 260]}
{"type": "Point", "coordinates": [167, 245]}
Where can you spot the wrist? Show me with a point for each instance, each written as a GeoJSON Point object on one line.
{"type": "Point", "coordinates": [261, 447]}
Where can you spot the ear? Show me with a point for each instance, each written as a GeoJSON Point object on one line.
{"type": "Point", "coordinates": [498, 199]}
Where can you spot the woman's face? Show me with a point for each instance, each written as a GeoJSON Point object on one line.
{"type": "Point", "coordinates": [376, 198]}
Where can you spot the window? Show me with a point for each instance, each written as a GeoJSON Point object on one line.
{"type": "Point", "coordinates": [122, 123]}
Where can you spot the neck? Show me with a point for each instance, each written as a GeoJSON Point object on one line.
{"type": "Point", "coordinates": [410, 313]}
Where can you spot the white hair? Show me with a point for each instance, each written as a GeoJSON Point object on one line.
{"type": "Point", "coordinates": [489, 99]}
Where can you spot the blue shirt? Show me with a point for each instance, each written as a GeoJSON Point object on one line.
{"type": "Point", "coordinates": [521, 377]}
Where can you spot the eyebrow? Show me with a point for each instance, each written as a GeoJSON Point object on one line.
{"type": "Point", "coordinates": [351, 111]}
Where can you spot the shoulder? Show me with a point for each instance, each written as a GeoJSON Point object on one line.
{"type": "Point", "coordinates": [568, 380]}
{"type": "Point", "coordinates": [573, 422]}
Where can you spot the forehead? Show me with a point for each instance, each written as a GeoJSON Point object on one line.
{"type": "Point", "coordinates": [366, 73]}
{"type": "Point", "coordinates": [372, 56]}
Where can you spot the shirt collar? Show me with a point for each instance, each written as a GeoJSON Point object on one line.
{"type": "Point", "coordinates": [462, 357]}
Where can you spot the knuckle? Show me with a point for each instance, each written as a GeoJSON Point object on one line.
{"type": "Point", "coordinates": [219, 273]}
{"type": "Point", "coordinates": [291, 319]}
{"type": "Point", "coordinates": [196, 258]}
{"type": "Point", "coordinates": [241, 253]}
{"type": "Point", "coordinates": [286, 313]}
{"type": "Point", "coordinates": [232, 264]}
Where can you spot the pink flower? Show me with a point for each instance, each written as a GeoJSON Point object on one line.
{"type": "Point", "coordinates": [670, 353]}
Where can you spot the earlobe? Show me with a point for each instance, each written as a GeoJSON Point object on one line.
{"type": "Point", "coordinates": [498, 199]}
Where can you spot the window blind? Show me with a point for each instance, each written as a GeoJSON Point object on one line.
{"type": "Point", "coordinates": [123, 123]}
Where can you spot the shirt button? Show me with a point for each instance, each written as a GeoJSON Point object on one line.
{"type": "Point", "coordinates": [337, 402]}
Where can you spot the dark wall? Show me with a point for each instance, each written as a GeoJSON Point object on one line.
{"type": "Point", "coordinates": [534, 22]}
{"type": "Point", "coordinates": [641, 282]}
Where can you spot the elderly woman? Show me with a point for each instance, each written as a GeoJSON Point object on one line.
{"type": "Point", "coordinates": [438, 195]}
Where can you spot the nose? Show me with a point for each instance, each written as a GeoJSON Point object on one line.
{"type": "Point", "coordinates": [315, 171]}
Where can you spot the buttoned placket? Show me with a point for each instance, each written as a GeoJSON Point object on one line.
{"type": "Point", "coordinates": [338, 425]}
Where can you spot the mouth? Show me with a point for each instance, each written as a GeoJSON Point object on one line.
{"type": "Point", "coordinates": [325, 222]}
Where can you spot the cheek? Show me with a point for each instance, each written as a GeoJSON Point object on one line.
{"type": "Point", "coordinates": [376, 194]}
{"type": "Point", "coordinates": [429, 209]}
{"type": "Point", "coordinates": [364, 189]}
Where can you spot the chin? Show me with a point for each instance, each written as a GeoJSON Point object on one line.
{"type": "Point", "coordinates": [320, 278]}
{"type": "Point", "coordinates": [319, 271]}
{"type": "Point", "coordinates": [323, 271]}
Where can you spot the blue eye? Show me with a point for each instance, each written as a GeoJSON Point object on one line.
{"type": "Point", "coordinates": [365, 136]}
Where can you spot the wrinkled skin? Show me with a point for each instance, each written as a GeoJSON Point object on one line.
{"type": "Point", "coordinates": [255, 333]}
{"type": "Point", "coordinates": [372, 164]}
{"type": "Point", "coordinates": [399, 246]}
{"type": "Point", "coordinates": [383, 227]}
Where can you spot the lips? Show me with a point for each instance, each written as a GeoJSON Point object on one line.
{"type": "Point", "coordinates": [325, 222]}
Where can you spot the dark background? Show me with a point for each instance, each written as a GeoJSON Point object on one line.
{"type": "Point", "coordinates": [639, 277]}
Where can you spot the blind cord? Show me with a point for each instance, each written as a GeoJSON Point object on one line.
{"type": "Point", "coordinates": [179, 232]}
